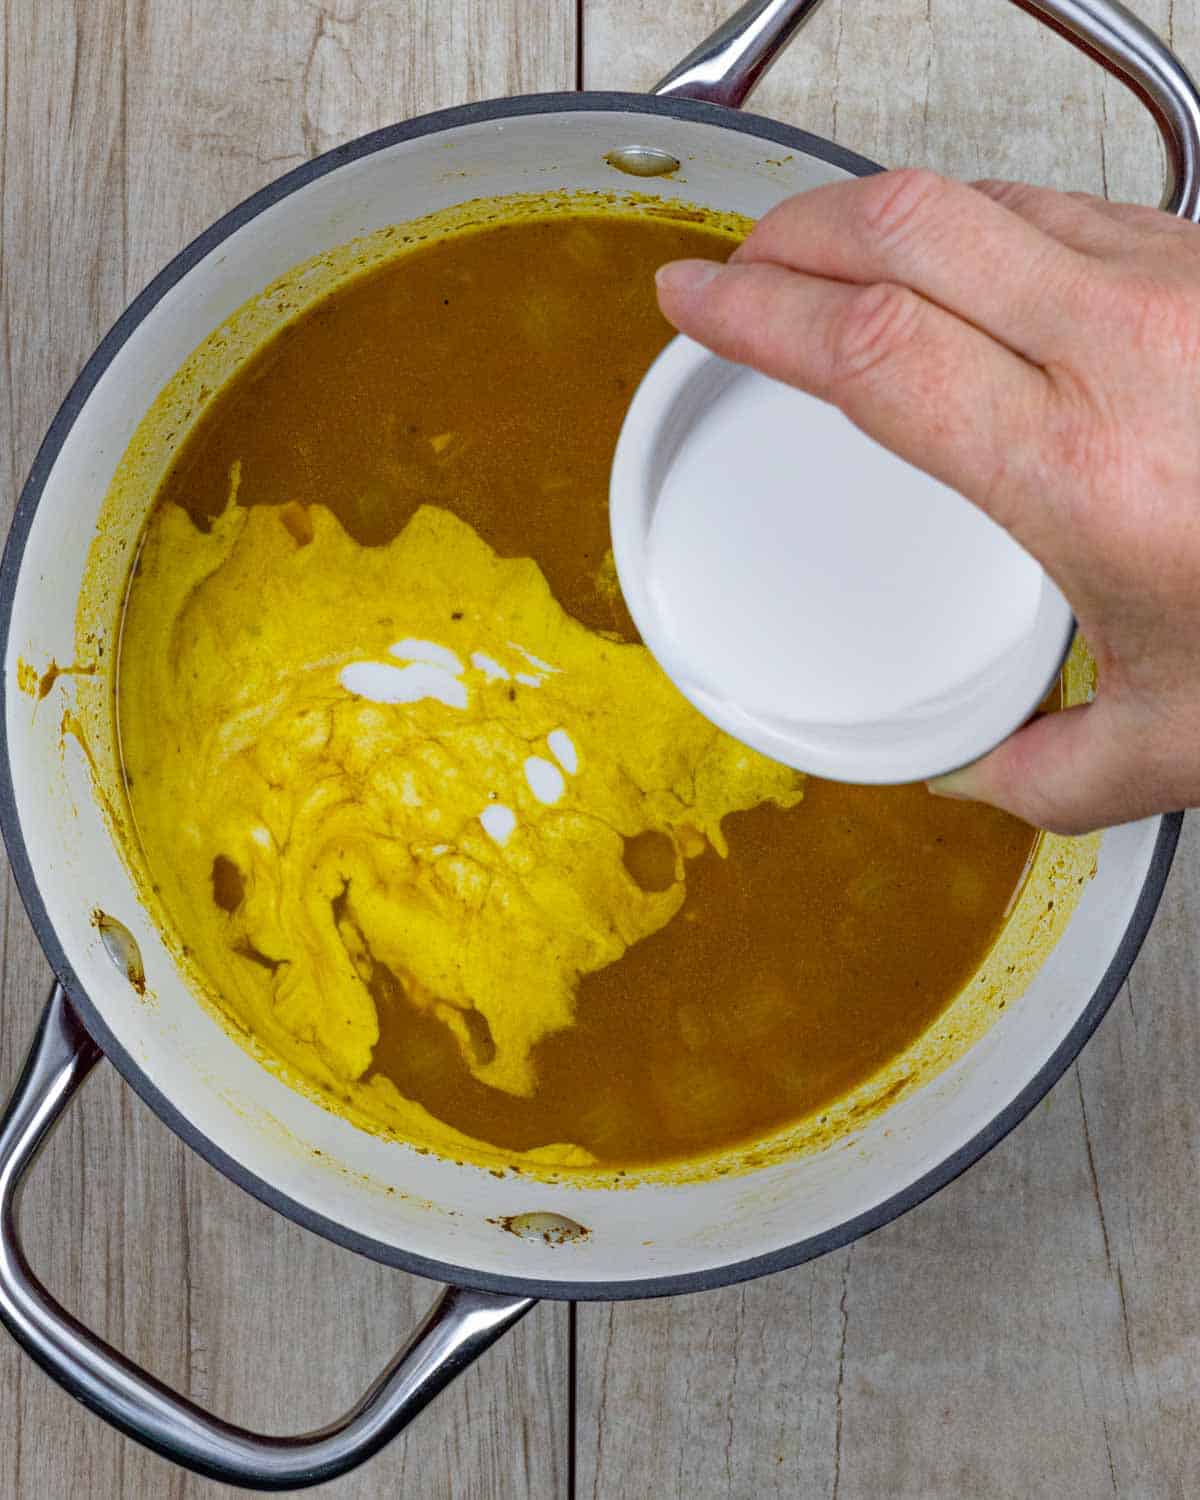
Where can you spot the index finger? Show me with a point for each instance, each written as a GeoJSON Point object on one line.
{"type": "Point", "coordinates": [955, 246]}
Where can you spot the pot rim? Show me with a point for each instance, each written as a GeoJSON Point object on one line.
{"type": "Point", "coordinates": [796, 1254]}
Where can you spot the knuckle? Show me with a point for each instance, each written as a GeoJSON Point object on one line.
{"type": "Point", "coordinates": [1084, 200]}
{"type": "Point", "coordinates": [1148, 314]}
{"type": "Point", "coordinates": [776, 222]}
{"type": "Point", "coordinates": [1165, 318]}
{"type": "Point", "coordinates": [874, 326]}
{"type": "Point", "coordinates": [1014, 195]}
{"type": "Point", "coordinates": [895, 203]}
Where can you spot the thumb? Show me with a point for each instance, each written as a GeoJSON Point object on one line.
{"type": "Point", "coordinates": [1069, 772]}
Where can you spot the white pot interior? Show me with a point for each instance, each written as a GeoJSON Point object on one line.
{"type": "Point", "coordinates": [401, 1200]}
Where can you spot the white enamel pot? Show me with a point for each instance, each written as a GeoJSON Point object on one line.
{"type": "Point", "coordinates": [437, 1218]}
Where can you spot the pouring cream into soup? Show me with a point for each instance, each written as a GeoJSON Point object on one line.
{"type": "Point", "coordinates": [425, 819]}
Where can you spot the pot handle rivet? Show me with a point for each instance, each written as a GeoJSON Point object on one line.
{"type": "Point", "coordinates": [642, 161]}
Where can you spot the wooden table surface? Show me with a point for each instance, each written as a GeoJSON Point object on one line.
{"type": "Point", "coordinates": [1034, 1329]}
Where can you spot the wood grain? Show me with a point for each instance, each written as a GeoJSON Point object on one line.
{"type": "Point", "coordinates": [127, 128]}
{"type": "Point", "coordinates": [1034, 1329]}
{"type": "Point", "coordinates": [978, 91]}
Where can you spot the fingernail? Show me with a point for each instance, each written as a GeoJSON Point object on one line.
{"type": "Point", "coordinates": [956, 784]}
{"type": "Point", "coordinates": [687, 275]}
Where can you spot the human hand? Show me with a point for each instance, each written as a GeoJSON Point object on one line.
{"type": "Point", "coordinates": [1040, 353]}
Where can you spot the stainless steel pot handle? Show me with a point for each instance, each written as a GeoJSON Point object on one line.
{"type": "Point", "coordinates": [725, 68]}
{"type": "Point", "coordinates": [460, 1326]}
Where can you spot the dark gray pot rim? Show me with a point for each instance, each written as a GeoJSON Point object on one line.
{"type": "Point", "coordinates": [653, 1286]}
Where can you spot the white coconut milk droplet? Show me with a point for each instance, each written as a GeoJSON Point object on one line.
{"type": "Point", "coordinates": [498, 822]}
{"type": "Point", "coordinates": [562, 747]}
{"type": "Point", "coordinates": [545, 779]}
{"type": "Point", "coordinates": [534, 661]}
{"type": "Point", "coordinates": [488, 665]}
{"type": "Point", "coordinates": [427, 651]}
{"type": "Point", "coordinates": [382, 683]}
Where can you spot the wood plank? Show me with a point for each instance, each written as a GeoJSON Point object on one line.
{"type": "Point", "coordinates": [989, 94]}
{"type": "Point", "coordinates": [127, 127]}
{"type": "Point", "coordinates": [1033, 1329]}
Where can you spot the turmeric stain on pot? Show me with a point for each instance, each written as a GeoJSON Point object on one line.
{"type": "Point", "coordinates": [40, 684]}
